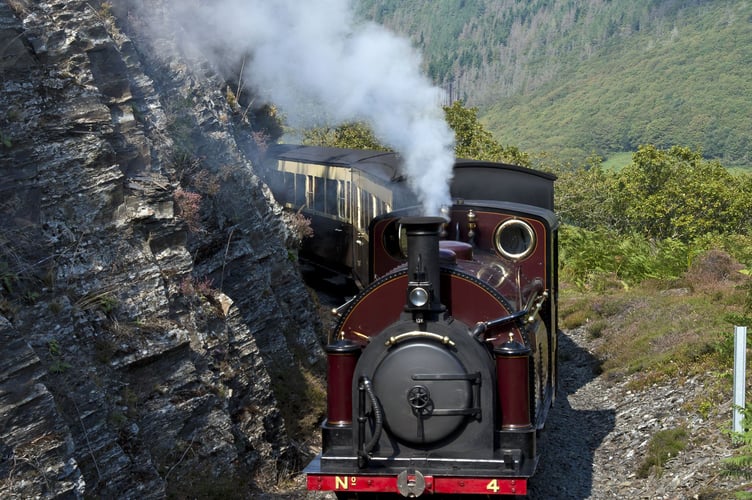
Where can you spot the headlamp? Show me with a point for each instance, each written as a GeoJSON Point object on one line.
{"type": "Point", "coordinates": [418, 297]}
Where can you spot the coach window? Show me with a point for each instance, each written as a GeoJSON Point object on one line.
{"type": "Point", "coordinates": [371, 207]}
{"type": "Point", "coordinates": [348, 200]}
{"type": "Point", "coordinates": [341, 200]}
{"type": "Point", "coordinates": [384, 207]}
{"type": "Point", "coordinates": [369, 202]}
{"type": "Point", "coordinates": [356, 215]}
{"type": "Point", "coordinates": [310, 191]}
{"type": "Point", "coordinates": [331, 197]}
{"type": "Point", "coordinates": [300, 191]}
{"type": "Point", "coordinates": [319, 194]}
{"type": "Point", "coordinates": [362, 209]}
{"type": "Point", "coordinates": [289, 183]}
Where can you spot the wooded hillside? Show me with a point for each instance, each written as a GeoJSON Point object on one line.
{"type": "Point", "coordinates": [574, 78]}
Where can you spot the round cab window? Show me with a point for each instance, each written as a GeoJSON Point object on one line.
{"type": "Point", "coordinates": [514, 239]}
{"type": "Point", "coordinates": [394, 240]}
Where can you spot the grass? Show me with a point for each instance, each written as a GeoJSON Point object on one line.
{"type": "Point", "coordinates": [662, 446]}
{"type": "Point", "coordinates": [659, 330]}
{"type": "Point", "coordinates": [617, 161]}
{"type": "Point", "coordinates": [301, 398]}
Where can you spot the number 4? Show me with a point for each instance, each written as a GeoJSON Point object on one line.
{"type": "Point", "coordinates": [493, 486]}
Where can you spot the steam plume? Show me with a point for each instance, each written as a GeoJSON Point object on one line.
{"type": "Point", "coordinates": [312, 58]}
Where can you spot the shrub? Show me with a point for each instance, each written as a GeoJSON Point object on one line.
{"type": "Point", "coordinates": [711, 271]}
{"type": "Point", "coordinates": [206, 182]}
{"type": "Point", "coordinates": [194, 287]}
{"type": "Point", "coordinates": [595, 328]}
{"type": "Point", "coordinates": [662, 446]}
{"type": "Point", "coordinates": [600, 259]}
{"type": "Point", "coordinates": [189, 207]}
{"type": "Point", "coordinates": [262, 140]}
{"type": "Point", "coordinates": [299, 228]}
{"type": "Point", "coordinates": [739, 246]}
{"type": "Point", "coordinates": [573, 319]}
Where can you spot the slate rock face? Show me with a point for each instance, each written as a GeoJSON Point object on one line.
{"type": "Point", "coordinates": [36, 446]}
{"type": "Point", "coordinates": [141, 343]}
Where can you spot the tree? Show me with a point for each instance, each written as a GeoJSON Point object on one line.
{"type": "Point", "coordinates": [349, 135]}
{"type": "Point", "coordinates": [585, 195]}
{"type": "Point", "coordinates": [473, 141]}
{"type": "Point", "coordinates": [675, 193]}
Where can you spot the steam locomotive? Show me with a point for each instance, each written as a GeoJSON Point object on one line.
{"type": "Point", "coordinates": [442, 369]}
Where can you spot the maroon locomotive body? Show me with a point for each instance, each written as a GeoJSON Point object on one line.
{"type": "Point", "coordinates": [442, 369]}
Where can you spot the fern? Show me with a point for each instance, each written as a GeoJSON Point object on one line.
{"type": "Point", "coordinates": [741, 464]}
{"type": "Point", "coordinates": [587, 256]}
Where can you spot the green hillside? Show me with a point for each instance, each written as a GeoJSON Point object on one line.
{"type": "Point", "coordinates": [601, 76]}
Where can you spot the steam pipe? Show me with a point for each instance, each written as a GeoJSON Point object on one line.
{"type": "Point", "coordinates": [365, 388]}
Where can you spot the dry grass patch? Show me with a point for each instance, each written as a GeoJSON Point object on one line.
{"type": "Point", "coordinates": [658, 332]}
{"type": "Point", "coordinates": [662, 446]}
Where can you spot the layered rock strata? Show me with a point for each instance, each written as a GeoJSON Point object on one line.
{"type": "Point", "coordinates": [141, 348]}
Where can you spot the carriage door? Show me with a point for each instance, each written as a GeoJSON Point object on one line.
{"type": "Point", "coordinates": [362, 215]}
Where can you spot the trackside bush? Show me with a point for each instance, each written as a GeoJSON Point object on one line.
{"type": "Point", "coordinates": [589, 257]}
{"type": "Point", "coordinates": [739, 246]}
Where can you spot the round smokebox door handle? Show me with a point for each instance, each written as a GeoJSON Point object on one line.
{"type": "Point", "coordinates": [414, 335]}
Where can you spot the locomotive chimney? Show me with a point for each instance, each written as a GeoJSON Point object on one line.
{"type": "Point", "coordinates": [423, 288]}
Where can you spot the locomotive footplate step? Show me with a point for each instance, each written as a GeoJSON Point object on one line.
{"type": "Point", "coordinates": [508, 464]}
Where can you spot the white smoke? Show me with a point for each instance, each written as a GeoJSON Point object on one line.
{"type": "Point", "coordinates": [312, 55]}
